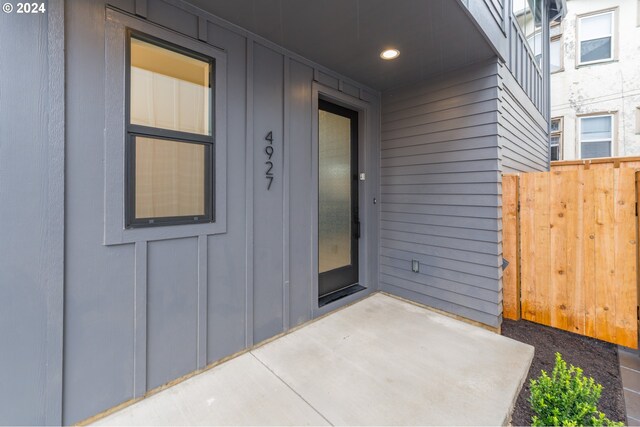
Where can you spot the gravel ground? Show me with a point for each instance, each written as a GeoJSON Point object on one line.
{"type": "Point", "coordinates": [597, 359]}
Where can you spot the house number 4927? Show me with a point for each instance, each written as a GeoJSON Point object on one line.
{"type": "Point", "coordinates": [269, 152]}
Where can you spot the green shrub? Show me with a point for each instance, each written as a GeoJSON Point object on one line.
{"type": "Point", "coordinates": [567, 398]}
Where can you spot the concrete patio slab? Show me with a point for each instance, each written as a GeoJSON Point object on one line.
{"type": "Point", "coordinates": [387, 362]}
{"type": "Point", "coordinates": [240, 392]}
{"type": "Point", "coordinates": [381, 361]}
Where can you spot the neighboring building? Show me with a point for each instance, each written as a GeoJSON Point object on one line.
{"type": "Point", "coordinates": [595, 80]}
{"type": "Point", "coordinates": [181, 181]}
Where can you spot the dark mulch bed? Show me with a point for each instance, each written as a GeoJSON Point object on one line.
{"type": "Point", "coordinates": [597, 359]}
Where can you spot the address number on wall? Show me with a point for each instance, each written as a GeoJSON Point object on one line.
{"type": "Point", "coordinates": [269, 150]}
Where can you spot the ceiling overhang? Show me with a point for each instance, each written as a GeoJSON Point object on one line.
{"type": "Point", "coordinates": [347, 36]}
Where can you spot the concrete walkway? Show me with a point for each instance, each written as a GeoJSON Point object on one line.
{"type": "Point", "coordinates": [381, 361]}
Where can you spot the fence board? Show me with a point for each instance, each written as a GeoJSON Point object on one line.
{"type": "Point", "coordinates": [578, 262]}
{"type": "Point", "coordinates": [563, 207]}
{"type": "Point", "coordinates": [605, 255]}
{"type": "Point", "coordinates": [626, 254]}
{"type": "Point", "coordinates": [637, 235]}
{"type": "Point", "coordinates": [527, 248]}
{"type": "Point", "coordinates": [589, 253]}
{"type": "Point", "coordinates": [541, 221]}
{"type": "Point", "coordinates": [510, 248]}
{"type": "Point", "coordinates": [578, 249]}
{"type": "Point", "coordinates": [573, 246]}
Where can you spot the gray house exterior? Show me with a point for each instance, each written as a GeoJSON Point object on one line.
{"type": "Point", "coordinates": [95, 312]}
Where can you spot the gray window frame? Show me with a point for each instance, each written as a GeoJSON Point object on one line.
{"type": "Point", "coordinates": [115, 137]}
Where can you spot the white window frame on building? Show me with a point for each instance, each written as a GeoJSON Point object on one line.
{"type": "Point", "coordinates": [556, 36]}
{"type": "Point", "coordinates": [611, 139]}
{"type": "Point", "coordinates": [557, 134]}
{"type": "Point", "coordinates": [535, 43]}
{"type": "Point", "coordinates": [612, 35]}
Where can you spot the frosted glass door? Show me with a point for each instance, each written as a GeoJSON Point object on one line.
{"type": "Point", "coordinates": [337, 197]}
{"type": "Point", "coordinates": [334, 199]}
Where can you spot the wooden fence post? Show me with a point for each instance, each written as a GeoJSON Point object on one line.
{"type": "Point", "coordinates": [511, 247]}
{"type": "Point", "coordinates": [638, 254]}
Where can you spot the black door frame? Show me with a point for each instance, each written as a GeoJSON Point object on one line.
{"type": "Point", "coordinates": [343, 277]}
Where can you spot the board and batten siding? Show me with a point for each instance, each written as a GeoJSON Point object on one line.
{"type": "Point", "coordinates": [31, 215]}
{"type": "Point", "coordinates": [440, 194]}
{"type": "Point", "coordinates": [141, 314]}
{"type": "Point", "coordinates": [524, 140]}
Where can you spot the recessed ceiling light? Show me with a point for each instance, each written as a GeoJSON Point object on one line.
{"type": "Point", "coordinates": [390, 54]}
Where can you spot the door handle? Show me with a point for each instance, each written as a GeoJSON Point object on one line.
{"type": "Point", "coordinates": [357, 224]}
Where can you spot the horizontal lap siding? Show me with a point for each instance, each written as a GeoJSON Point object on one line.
{"type": "Point", "coordinates": [496, 7]}
{"type": "Point", "coordinates": [523, 132]}
{"type": "Point", "coordinates": [440, 194]}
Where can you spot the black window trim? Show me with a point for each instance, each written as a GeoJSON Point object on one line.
{"type": "Point", "coordinates": [132, 131]}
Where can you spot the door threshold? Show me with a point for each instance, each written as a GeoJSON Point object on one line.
{"type": "Point", "coordinates": [344, 292]}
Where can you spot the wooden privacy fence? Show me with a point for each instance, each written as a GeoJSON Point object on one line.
{"type": "Point", "coordinates": [572, 250]}
{"type": "Point", "coordinates": [603, 163]}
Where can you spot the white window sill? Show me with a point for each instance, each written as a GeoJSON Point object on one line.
{"type": "Point", "coordinates": [603, 61]}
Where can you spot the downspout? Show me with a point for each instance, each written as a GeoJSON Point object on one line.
{"type": "Point", "coordinates": [546, 57]}
{"type": "Point", "coordinates": [551, 11]}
